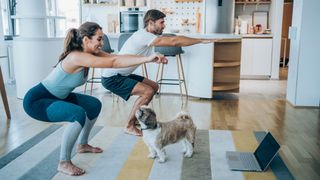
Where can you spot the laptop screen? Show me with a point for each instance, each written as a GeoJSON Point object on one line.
{"type": "Point", "coordinates": [266, 150]}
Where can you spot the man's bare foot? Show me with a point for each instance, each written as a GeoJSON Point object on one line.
{"type": "Point", "coordinates": [86, 148]}
{"type": "Point", "coordinates": [68, 168]}
{"type": "Point", "coordinates": [133, 131]}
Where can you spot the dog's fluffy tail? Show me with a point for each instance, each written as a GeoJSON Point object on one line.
{"type": "Point", "coordinates": [184, 115]}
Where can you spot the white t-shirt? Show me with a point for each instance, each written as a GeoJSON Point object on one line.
{"type": "Point", "coordinates": [138, 44]}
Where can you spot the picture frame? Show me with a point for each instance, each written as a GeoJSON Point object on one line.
{"type": "Point", "coordinates": [261, 17]}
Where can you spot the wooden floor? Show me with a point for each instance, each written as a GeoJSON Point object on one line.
{"type": "Point", "coordinates": [260, 105]}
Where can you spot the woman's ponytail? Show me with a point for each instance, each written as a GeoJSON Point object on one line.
{"type": "Point", "coordinates": [72, 42]}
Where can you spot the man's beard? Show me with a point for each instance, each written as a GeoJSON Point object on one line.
{"type": "Point", "coordinates": [159, 32]}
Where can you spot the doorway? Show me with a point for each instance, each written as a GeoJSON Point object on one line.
{"type": "Point", "coordinates": [285, 42]}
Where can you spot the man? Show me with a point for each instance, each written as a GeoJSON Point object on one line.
{"type": "Point", "coordinates": [125, 84]}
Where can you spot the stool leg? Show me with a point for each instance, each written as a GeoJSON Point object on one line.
{"type": "Point", "coordinates": [183, 77]}
{"type": "Point", "coordinates": [92, 76]}
{"type": "Point", "coordinates": [85, 87]}
{"type": "Point", "coordinates": [161, 77]}
{"type": "Point", "coordinates": [158, 75]}
{"type": "Point", "coordinates": [158, 72]}
{"type": "Point", "coordinates": [179, 76]}
{"type": "Point", "coordinates": [144, 70]}
{"type": "Point", "coordinates": [117, 97]}
{"type": "Point", "coordinates": [4, 97]}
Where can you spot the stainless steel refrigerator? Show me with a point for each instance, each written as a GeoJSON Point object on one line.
{"type": "Point", "coordinates": [219, 16]}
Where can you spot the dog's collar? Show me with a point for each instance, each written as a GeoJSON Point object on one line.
{"type": "Point", "coordinates": [151, 128]}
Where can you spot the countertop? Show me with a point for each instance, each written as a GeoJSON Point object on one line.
{"type": "Point", "coordinates": [257, 35]}
{"type": "Point", "coordinates": [37, 39]}
{"type": "Point", "coordinates": [211, 35]}
{"type": "Point", "coordinates": [206, 36]}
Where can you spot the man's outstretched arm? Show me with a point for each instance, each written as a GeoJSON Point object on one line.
{"type": "Point", "coordinates": [177, 41]}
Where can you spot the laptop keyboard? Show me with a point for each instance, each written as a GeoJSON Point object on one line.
{"type": "Point", "coordinates": [247, 161]}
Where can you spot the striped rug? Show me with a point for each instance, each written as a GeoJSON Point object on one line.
{"type": "Point", "coordinates": [125, 157]}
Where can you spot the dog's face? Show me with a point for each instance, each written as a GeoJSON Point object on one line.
{"type": "Point", "coordinates": [146, 117]}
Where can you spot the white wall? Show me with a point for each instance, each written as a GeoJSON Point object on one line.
{"type": "Point", "coordinates": [4, 62]}
{"type": "Point", "coordinates": [276, 12]}
{"type": "Point", "coordinates": [304, 66]}
{"type": "Point", "coordinates": [99, 14]}
{"type": "Point", "coordinates": [1, 26]}
{"type": "Point", "coordinates": [34, 53]}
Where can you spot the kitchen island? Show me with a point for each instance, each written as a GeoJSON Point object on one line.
{"type": "Point", "coordinates": [207, 67]}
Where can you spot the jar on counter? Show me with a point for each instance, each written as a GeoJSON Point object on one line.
{"type": "Point", "coordinates": [140, 3]}
{"type": "Point", "coordinates": [129, 3]}
{"type": "Point", "coordinates": [243, 27]}
{"type": "Point", "coordinates": [251, 30]}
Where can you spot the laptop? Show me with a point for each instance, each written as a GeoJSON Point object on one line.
{"type": "Point", "coordinates": [256, 161]}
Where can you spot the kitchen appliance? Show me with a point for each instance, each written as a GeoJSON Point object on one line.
{"type": "Point", "coordinates": [219, 16]}
{"type": "Point", "coordinates": [131, 20]}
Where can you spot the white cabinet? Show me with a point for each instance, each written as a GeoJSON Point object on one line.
{"type": "Point", "coordinates": [256, 57]}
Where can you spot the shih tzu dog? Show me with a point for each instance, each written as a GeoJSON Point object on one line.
{"type": "Point", "coordinates": [156, 135]}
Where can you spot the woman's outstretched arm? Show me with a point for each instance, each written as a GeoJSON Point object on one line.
{"type": "Point", "coordinates": [106, 60]}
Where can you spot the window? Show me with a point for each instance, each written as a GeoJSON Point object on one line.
{"type": "Point", "coordinates": [62, 15]}
{"type": "Point", "coordinates": [8, 24]}
{"type": "Point", "coordinates": [66, 15]}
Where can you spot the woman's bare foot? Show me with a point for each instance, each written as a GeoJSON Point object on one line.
{"type": "Point", "coordinates": [86, 148]}
{"type": "Point", "coordinates": [68, 168]}
{"type": "Point", "coordinates": [133, 131]}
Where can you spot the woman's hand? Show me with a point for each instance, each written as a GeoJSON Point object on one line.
{"type": "Point", "coordinates": [206, 41]}
{"type": "Point", "coordinates": [158, 58]}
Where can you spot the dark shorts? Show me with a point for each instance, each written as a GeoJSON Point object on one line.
{"type": "Point", "coordinates": [121, 85]}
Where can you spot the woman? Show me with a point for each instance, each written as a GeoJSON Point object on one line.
{"type": "Point", "coordinates": [52, 100]}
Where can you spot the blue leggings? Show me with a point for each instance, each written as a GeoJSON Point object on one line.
{"type": "Point", "coordinates": [40, 104]}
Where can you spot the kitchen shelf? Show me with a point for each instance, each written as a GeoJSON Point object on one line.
{"type": "Point", "coordinates": [99, 4]}
{"type": "Point", "coordinates": [227, 40]}
{"type": "Point", "coordinates": [252, 3]}
{"type": "Point", "coordinates": [226, 63]}
{"type": "Point", "coordinates": [189, 1]}
{"type": "Point", "coordinates": [225, 87]}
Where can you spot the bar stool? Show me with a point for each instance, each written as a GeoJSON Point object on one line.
{"type": "Point", "coordinates": [106, 48]}
{"type": "Point", "coordinates": [171, 51]}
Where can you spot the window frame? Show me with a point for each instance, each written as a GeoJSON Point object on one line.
{"type": "Point", "coordinates": [10, 6]}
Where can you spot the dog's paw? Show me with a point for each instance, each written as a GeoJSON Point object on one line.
{"type": "Point", "coordinates": [188, 154]}
{"type": "Point", "coordinates": [152, 156]}
{"type": "Point", "coordinates": [164, 152]}
{"type": "Point", "coordinates": [162, 160]}
{"type": "Point", "coordinates": [184, 151]}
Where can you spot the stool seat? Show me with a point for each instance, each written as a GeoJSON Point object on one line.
{"type": "Point", "coordinates": [122, 39]}
{"type": "Point", "coordinates": [171, 51]}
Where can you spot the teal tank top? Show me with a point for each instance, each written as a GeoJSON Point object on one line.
{"type": "Point", "coordinates": [61, 84]}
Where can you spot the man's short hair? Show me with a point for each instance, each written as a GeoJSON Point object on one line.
{"type": "Point", "coordinates": [152, 15]}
